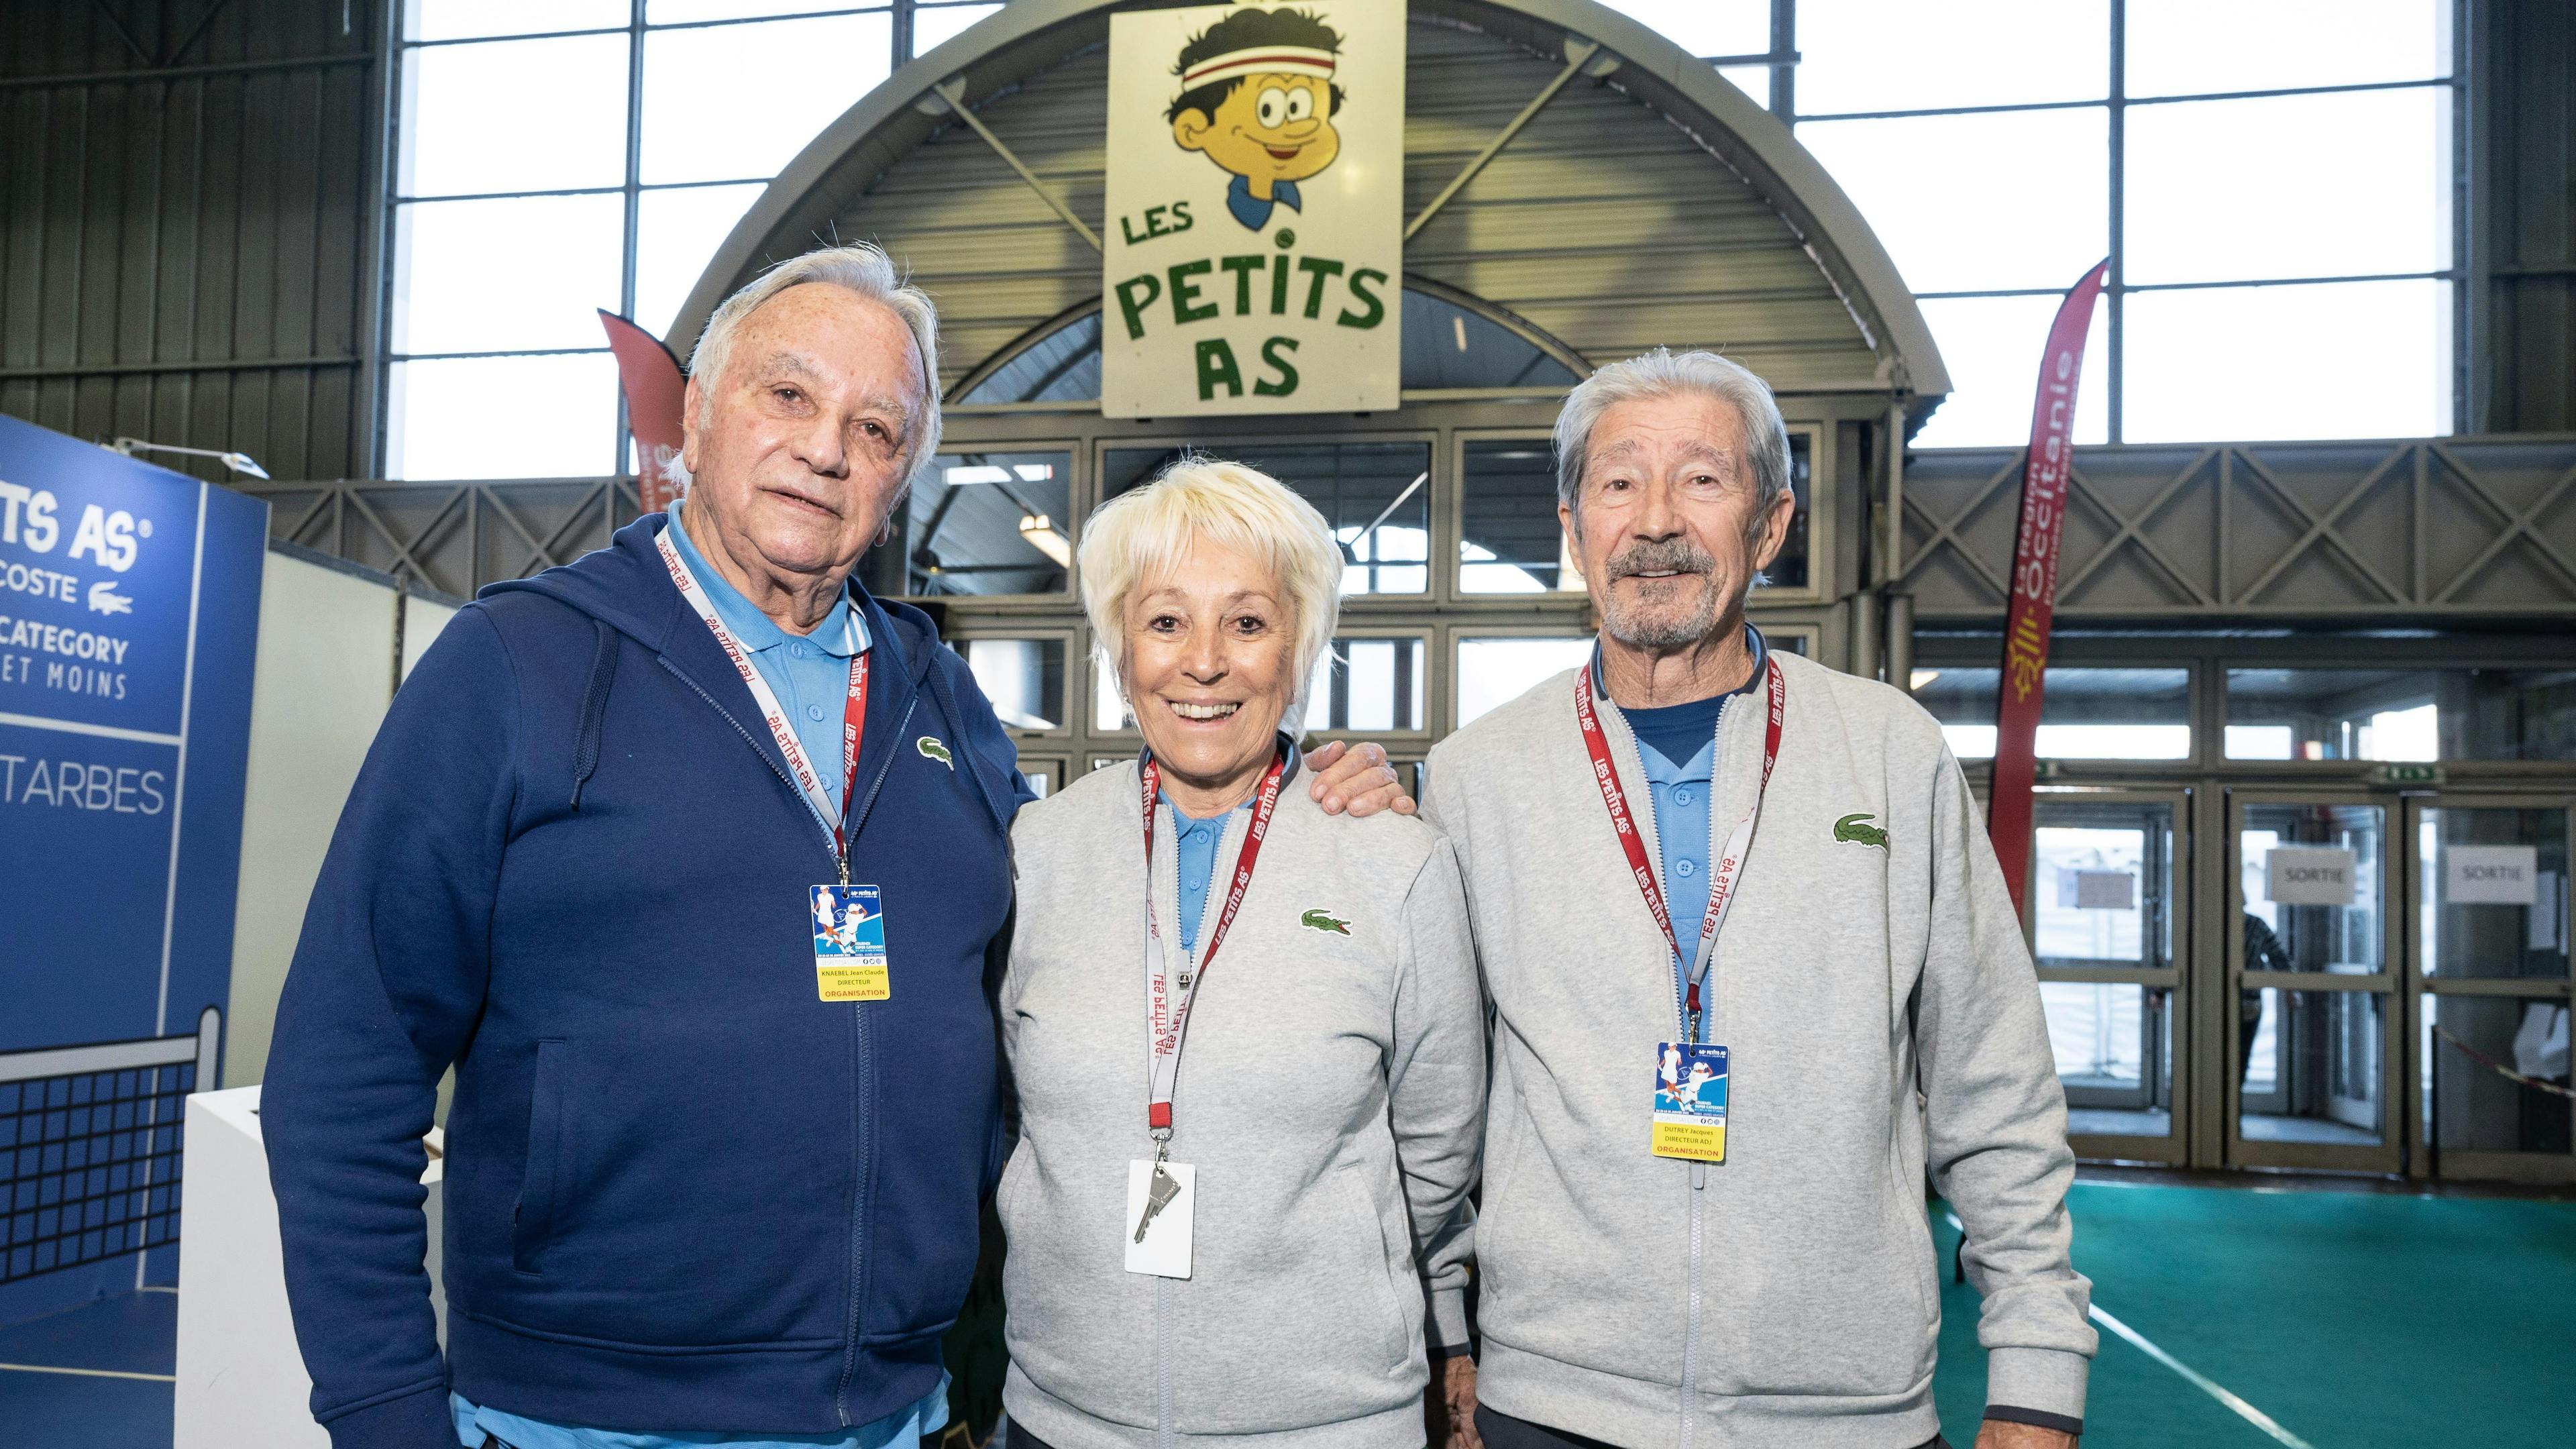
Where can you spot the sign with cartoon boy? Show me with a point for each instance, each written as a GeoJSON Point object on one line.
{"type": "Point", "coordinates": [1255, 248]}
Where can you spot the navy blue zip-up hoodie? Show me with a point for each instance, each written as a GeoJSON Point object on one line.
{"type": "Point", "coordinates": [681, 1193]}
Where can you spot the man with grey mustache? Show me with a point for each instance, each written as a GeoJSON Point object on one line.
{"type": "Point", "coordinates": [1753, 972]}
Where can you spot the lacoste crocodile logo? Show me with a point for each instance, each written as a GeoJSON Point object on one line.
{"type": "Point", "coordinates": [1855, 830]}
{"type": "Point", "coordinates": [1321, 920]}
{"type": "Point", "coordinates": [932, 749]}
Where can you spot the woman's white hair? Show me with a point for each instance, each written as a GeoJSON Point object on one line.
{"type": "Point", "coordinates": [1143, 535]}
{"type": "Point", "coordinates": [1665, 373]}
{"type": "Point", "coordinates": [860, 267]}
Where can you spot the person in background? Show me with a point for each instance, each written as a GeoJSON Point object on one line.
{"type": "Point", "coordinates": [1251, 1238]}
{"type": "Point", "coordinates": [709, 1179]}
{"type": "Point", "coordinates": [1699, 844]}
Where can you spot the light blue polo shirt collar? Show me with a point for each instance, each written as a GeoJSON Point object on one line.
{"type": "Point", "coordinates": [843, 635]}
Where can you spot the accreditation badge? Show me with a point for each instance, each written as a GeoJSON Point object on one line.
{"type": "Point", "coordinates": [849, 943]}
{"type": "Point", "coordinates": [1690, 1102]}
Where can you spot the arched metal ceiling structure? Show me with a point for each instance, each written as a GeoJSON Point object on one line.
{"type": "Point", "coordinates": [1657, 204]}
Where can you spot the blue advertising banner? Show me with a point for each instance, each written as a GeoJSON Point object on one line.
{"type": "Point", "coordinates": [129, 615]}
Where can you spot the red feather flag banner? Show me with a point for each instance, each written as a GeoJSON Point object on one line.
{"type": "Point", "coordinates": [2034, 581]}
{"type": "Point", "coordinates": [654, 389]}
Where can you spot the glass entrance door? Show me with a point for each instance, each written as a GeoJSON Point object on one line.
{"type": "Point", "coordinates": [2490, 945]}
{"type": "Point", "coordinates": [2313, 1060]}
{"type": "Point", "coordinates": [2105, 898]}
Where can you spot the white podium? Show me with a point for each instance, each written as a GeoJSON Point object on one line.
{"type": "Point", "coordinates": [242, 1383]}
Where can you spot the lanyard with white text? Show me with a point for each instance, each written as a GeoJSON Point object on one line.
{"type": "Point", "coordinates": [854, 712]}
{"type": "Point", "coordinates": [1722, 876]}
{"type": "Point", "coordinates": [1167, 1001]}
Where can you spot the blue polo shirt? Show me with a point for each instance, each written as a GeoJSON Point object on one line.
{"type": "Point", "coordinates": [1197, 840]}
{"type": "Point", "coordinates": [1677, 743]}
{"type": "Point", "coordinates": [810, 673]}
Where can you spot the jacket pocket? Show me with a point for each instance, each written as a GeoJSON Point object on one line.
{"type": "Point", "coordinates": [1372, 1236]}
{"type": "Point", "coordinates": [532, 1222]}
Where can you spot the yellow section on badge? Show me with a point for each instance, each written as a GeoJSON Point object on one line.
{"type": "Point", "coordinates": [856, 983]}
{"type": "Point", "coordinates": [1691, 1141]}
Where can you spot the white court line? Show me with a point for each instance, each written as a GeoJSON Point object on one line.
{"type": "Point", "coordinates": [2197, 1379]}
{"type": "Point", "coordinates": [2203, 1382]}
{"type": "Point", "coordinates": [37, 1368]}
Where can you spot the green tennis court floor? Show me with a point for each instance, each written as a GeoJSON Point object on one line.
{"type": "Point", "coordinates": [2350, 1319]}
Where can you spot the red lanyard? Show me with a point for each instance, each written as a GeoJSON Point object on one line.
{"type": "Point", "coordinates": [1723, 873]}
{"type": "Point", "coordinates": [1167, 1002]}
{"type": "Point", "coordinates": [854, 709]}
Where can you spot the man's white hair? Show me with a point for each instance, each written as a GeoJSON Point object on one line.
{"type": "Point", "coordinates": [1664, 373]}
{"type": "Point", "coordinates": [1142, 535]}
{"type": "Point", "coordinates": [860, 267]}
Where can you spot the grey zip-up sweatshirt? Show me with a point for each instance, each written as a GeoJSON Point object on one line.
{"type": "Point", "coordinates": [1879, 1009]}
{"type": "Point", "coordinates": [1331, 1097]}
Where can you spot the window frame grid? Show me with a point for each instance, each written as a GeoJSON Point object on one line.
{"type": "Point", "coordinates": [2116, 103]}
{"type": "Point", "coordinates": [901, 14]}
{"type": "Point", "coordinates": [1783, 58]}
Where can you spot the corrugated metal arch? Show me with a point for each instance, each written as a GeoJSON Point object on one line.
{"type": "Point", "coordinates": [1658, 206]}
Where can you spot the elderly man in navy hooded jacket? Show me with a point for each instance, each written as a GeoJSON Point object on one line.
{"type": "Point", "coordinates": [699, 1188]}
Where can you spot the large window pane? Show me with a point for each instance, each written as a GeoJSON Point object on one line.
{"type": "Point", "coordinates": [2194, 47]}
{"type": "Point", "coordinates": [504, 417]}
{"type": "Point", "coordinates": [518, 115]}
{"type": "Point", "coordinates": [2313, 1068]}
{"type": "Point", "coordinates": [1898, 55]}
{"type": "Point", "coordinates": [2289, 186]}
{"type": "Point", "coordinates": [2084, 714]}
{"type": "Point", "coordinates": [990, 523]}
{"type": "Point", "coordinates": [1495, 672]}
{"type": "Point", "coordinates": [933, 28]}
{"type": "Point", "coordinates": [1024, 679]}
{"type": "Point", "coordinates": [731, 102]}
{"type": "Point", "coordinates": [2401, 714]}
{"type": "Point", "coordinates": [2114, 1050]}
{"type": "Point", "coordinates": [2278, 362]}
{"type": "Point", "coordinates": [2316, 907]}
{"type": "Point", "coordinates": [2491, 891]}
{"type": "Point", "coordinates": [1992, 346]}
{"type": "Point", "coordinates": [1367, 684]}
{"type": "Point", "coordinates": [1513, 543]}
{"type": "Point", "coordinates": [682, 12]}
{"type": "Point", "coordinates": [1706, 27]}
{"type": "Point", "coordinates": [1376, 496]}
{"type": "Point", "coordinates": [508, 274]}
{"type": "Point", "coordinates": [676, 234]}
{"type": "Point", "coordinates": [462, 19]}
{"type": "Point", "coordinates": [1952, 199]}
{"type": "Point", "coordinates": [2469, 1105]}
{"type": "Point", "coordinates": [1446, 345]}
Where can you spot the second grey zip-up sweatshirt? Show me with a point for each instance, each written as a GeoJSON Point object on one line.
{"type": "Point", "coordinates": [1330, 1096]}
{"type": "Point", "coordinates": [1881, 1014]}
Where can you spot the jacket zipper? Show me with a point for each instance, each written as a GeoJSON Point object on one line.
{"type": "Point", "coordinates": [861, 1124]}
{"type": "Point", "coordinates": [1681, 1011]}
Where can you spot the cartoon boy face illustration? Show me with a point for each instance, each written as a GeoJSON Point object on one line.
{"type": "Point", "coordinates": [1258, 99]}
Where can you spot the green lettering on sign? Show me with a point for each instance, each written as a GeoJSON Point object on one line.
{"type": "Point", "coordinates": [1217, 367]}
{"type": "Point", "coordinates": [1186, 307]}
{"type": "Point", "coordinates": [1274, 352]}
{"type": "Point", "coordinates": [1135, 295]}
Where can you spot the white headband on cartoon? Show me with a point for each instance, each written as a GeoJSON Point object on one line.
{"type": "Point", "coordinates": [1260, 60]}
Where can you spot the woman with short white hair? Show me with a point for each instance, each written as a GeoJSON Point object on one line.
{"type": "Point", "coordinates": [1240, 1187]}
